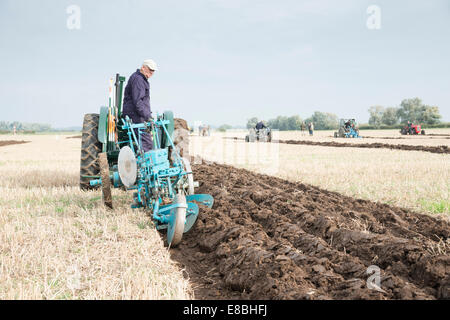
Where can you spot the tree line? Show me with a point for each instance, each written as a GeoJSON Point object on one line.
{"type": "Point", "coordinates": [20, 126]}
{"type": "Point", "coordinates": [321, 121]}
{"type": "Point", "coordinates": [409, 110]}
{"type": "Point", "coordinates": [413, 110]}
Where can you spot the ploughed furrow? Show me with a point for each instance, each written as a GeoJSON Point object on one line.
{"type": "Point", "coordinates": [267, 238]}
{"type": "Point", "coordinates": [4, 143]}
{"type": "Point", "coordinates": [443, 149]}
{"type": "Point", "coordinates": [419, 137]}
{"type": "Point", "coordinates": [433, 149]}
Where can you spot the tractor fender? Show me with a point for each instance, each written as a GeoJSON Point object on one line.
{"type": "Point", "coordinates": [168, 115]}
{"type": "Point", "coordinates": [102, 125]}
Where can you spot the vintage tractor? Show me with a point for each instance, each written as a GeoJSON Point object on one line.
{"type": "Point", "coordinates": [262, 135]}
{"type": "Point", "coordinates": [162, 179]}
{"type": "Point", "coordinates": [347, 129]}
{"type": "Point", "coordinates": [412, 129]}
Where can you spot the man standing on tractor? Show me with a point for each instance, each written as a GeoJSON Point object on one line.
{"type": "Point", "coordinates": [347, 125]}
{"type": "Point", "coordinates": [136, 101]}
{"type": "Point", "coordinates": [260, 125]}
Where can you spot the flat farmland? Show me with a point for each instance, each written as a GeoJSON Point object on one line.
{"type": "Point", "coordinates": [289, 222]}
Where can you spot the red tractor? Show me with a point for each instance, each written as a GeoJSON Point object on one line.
{"type": "Point", "coordinates": [412, 129]}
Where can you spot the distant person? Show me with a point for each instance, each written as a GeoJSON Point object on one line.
{"type": "Point", "coordinates": [14, 129]}
{"type": "Point", "coordinates": [260, 125]}
{"type": "Point", "coordinates": [311, 128]}
{"type": "Point", "coordinates": [136, 101]}
{"type": "Point", "coordinates": [303, 128]}
{"type": "Point", "coordinates": [410, 129]}
{"type": "Point", "coordinates": [347, 125]}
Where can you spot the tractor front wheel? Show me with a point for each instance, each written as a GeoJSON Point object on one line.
{"type": "Point", "coordinates": [90, 148]}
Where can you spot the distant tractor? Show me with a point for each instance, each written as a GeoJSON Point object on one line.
{"type": "Point", "coordinates": [347, 129]}
{"type": "Point", "coordinates": [412, 129]}
{"type": "Point", "coordinates": [261, 135]}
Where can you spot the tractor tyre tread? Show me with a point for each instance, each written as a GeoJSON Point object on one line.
{"type": "Point", "coordinates": [90, 148]}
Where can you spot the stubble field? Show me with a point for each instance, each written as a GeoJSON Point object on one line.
{"type": "Point", "coordinates": [58, 242]}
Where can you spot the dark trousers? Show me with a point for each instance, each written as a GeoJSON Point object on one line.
{"type": "Point", "coordinates": [146, 140]}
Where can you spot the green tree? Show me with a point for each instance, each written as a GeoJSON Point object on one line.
{"type": "Point", "coordinates": [415, 111]}
{"type": "Point", "coordinates": [324, 121]}
{"type": "Point", "coordinates": [376, 115]}
{"type": "Point", "coordinates": [430, 115]}
{"type": "Point", "coordinates": [251, 123]}
{"type": "Point", "coordinates": [390, 116]}
{"type": "Point", "coordinates": [224, 127]}
{"type": "Point", "coordinates": [410, 110]}
{"type": "Point", "coordinates": [294, 123]}
{"type": "Point", "coordinates": [280, 123]}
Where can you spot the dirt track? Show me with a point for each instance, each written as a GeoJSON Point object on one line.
{"type": "Point", "coordinates": [4, 143]}
{"type": "Point", "coordinates": [377, 145]}
{"type": "Point", "coordinates": [267, 238]}
{"type": "Point", "coordinates": [420, 137]}
{"type": "Point", "coordinates": [438, 134]}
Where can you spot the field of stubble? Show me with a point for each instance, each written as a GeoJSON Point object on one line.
{"type": "Point", "coordinates": [57, 242]}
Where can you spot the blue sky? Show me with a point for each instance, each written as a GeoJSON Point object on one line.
{"type": "Point", "coordinates": [224, 61]}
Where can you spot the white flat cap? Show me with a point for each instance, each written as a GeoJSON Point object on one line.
{"type": "Point", "coordinates": [151, 64]}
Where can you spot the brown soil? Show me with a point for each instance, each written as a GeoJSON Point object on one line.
{"type": "Point", "coordinates": [267, 238]}
{"type": "Point", "coordinates": [404, 137]}
{"type": "Point", "coordinates": [432, 149]}
{"type": "Point", "coordinates": [438, 135]}
{"type": "Point", "coordinates": [181, 137]}
{"type": "Point", "coordinates": [10, 142]}
{"type": "Point", "coordinates": [74, 137]}
{"type": "Point", "coordinates": [377, 145]}
{"type": "Point", "coordinates": [180, 123]}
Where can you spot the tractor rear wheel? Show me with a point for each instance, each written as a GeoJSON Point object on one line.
{"type": "Point", "coordinates": [90, 148]}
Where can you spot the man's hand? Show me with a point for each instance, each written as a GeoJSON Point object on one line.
{"type": "Point", "coordinates": [149, 125]}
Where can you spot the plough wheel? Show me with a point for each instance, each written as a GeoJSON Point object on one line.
{"type": "Point", "coordinates": [175, 228]}
{"type": "Point", "coordinates": [190, 176]}
{"type": "Point", "coordinates": [106, 182]}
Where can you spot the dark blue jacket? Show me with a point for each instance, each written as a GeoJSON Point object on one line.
{"type": "Point", "coordinates": [136, 100]}
{"type": "Point", "coordinates": [260, 125]}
